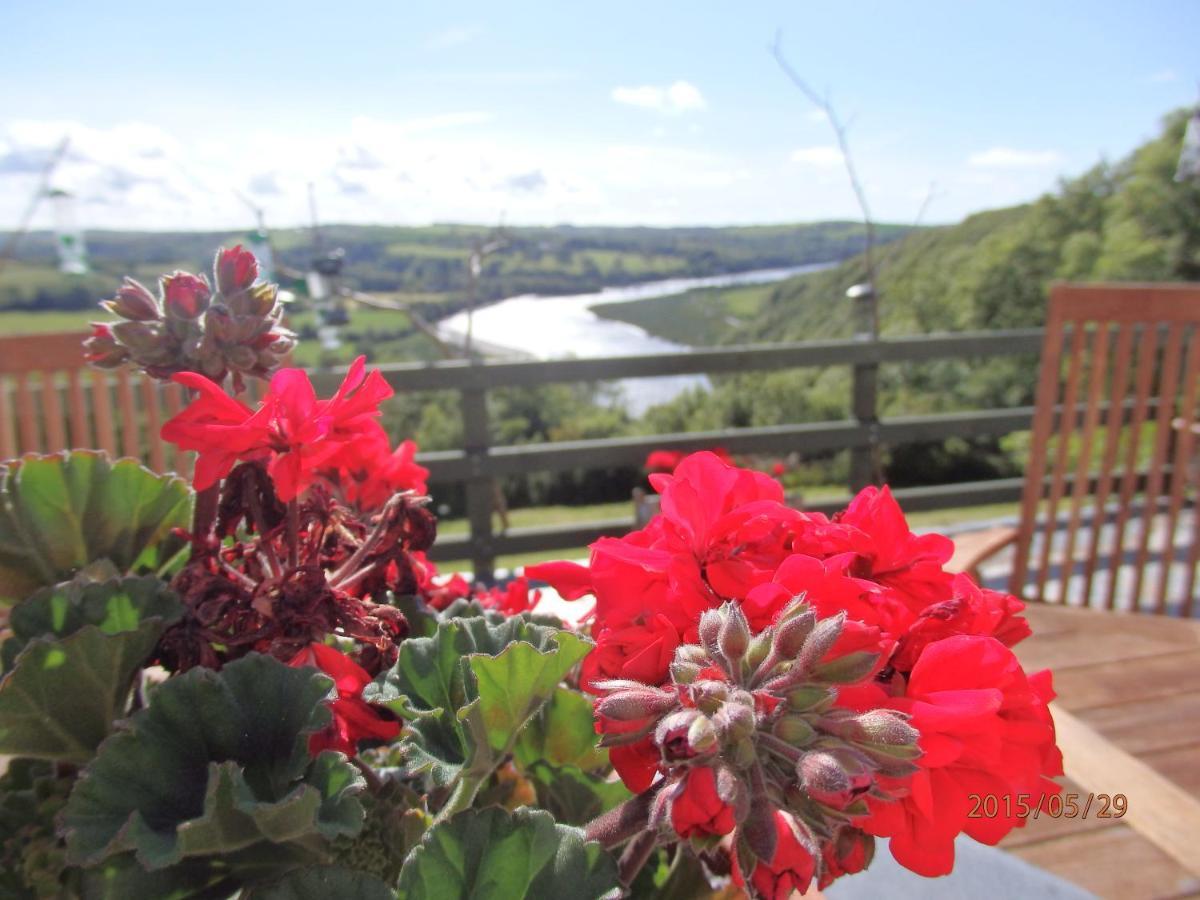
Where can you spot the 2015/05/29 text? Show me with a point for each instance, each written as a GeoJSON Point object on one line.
{"type": "Point", "coordinates": [1056, 806]}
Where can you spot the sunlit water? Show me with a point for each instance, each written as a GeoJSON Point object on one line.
{"type": "Point", "coordinates": [555, 327]}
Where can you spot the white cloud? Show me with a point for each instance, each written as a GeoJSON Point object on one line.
{"type": "Point", "coordinates": [1162, 76]}
{"type": "Point", "coordinates": [1009, 158]}
{"type": "Point", "coordinates": [824, 155]}
{"type": "Point", "coordinates": [679, 97]}
{"type": "Point", "coordinates": [454, 36]}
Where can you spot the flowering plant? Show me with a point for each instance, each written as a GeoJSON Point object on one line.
{"type": "Point", "coordinates": [259, 685]}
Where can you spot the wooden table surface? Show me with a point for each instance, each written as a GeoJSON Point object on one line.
{"type": "Point", "coordinates": [1128, 713]}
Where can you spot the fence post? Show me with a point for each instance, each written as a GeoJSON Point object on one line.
{"type": "Point", "coordinates": [865, 465]}
{"type": "Point", "coordinates": [476, 441]}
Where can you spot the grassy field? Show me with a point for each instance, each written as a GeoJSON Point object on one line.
{"type": "Point", "coordinates": [701, 317]}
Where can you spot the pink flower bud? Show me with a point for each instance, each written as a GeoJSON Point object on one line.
{"type": "Point", "coordinates": [102, 349]}
{"type": "Point", "coordinates": [185, 296]}
{"type": "Point", "coordinates": [710, 629]}
{"type": "Point", "coordinates": [734, 636]}
{"type": "Point", "coordinates": [636, 703]}
{"type": "Point", "coordinates": [236, 269]}
{"type": "Point", "coordinates": [836, 780]}
{"type": "Point", "coordinates": [821, 641]}
{"type": "Point", "coordinates": [133, 302]}
{"type": "Point", "coordinates": [139, 337]}
{"type": "Point", "coordinates": [791, 634]}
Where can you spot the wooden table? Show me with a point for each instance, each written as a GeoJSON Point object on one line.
{"type": "Point", "coordinates": [1128, 717]}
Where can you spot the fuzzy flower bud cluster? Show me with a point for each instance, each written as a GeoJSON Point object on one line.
{"type": "Point", "coordinates": [754, 720]}
{"type": "Point", "coordinates": [190, 328]}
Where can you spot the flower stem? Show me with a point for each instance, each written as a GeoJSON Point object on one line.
{"type": "Point", "coordinates": [635, 856]}
{"type": "Point", "coordinates": [622, 822]}
{"type": "Point", "coordinates": [463, 796]}
{"type": "Point", "coordinates": [204, 514]}
{"type": "Point", "coordinates": [293, 532]}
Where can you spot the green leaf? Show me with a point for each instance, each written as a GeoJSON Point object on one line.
{"type": "Point", "coordinates": [492, 854]}
{"type": "Point", "coordinates": [111, 604]}
{"type": "Point", "coordinates": [467, 691]}
{"type": "Point", "coordinates": [562, 734]}
{"type": "Point", "coordinates": [123, 877]}
{"type": "Point", "coordinates": [58, 513]}
{"type": "Point", "coordinates": [573, 796]}
{"type": "Point", "coordinates": [217, 762]}
{"type": "Point", "coordinates": [60, 699]}
{"type": "Point", "coordinates": [323, 883]}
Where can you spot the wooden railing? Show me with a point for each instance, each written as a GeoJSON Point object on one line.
{"type": "Point", "coordinates": [48, 401]}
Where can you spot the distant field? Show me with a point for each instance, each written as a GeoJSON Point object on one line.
{"type": "Point", "coordinates": [17, 323]}
{"type": "Point", "coordinates": [701, 317]}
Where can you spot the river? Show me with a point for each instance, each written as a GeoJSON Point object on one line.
{"type": "Point", "coordinates": [552, 327]}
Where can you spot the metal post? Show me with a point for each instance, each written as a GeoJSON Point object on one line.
{"type": "Point", "coordinates": [865, 461]}
{"type": "Point", "coordinates": [476, 441]}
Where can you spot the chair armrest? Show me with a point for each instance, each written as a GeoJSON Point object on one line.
{"type": "Point", "coordinates": [974, 547]}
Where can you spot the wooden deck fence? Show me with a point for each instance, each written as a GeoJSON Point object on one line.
{"type": "Point", "coordinates": [50, 399]}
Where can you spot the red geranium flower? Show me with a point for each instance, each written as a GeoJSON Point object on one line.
{"type": "Point", "coordinates": [299, 433]}
{"type": "Point", "coordinates": [789, 872]}
{"type": "Point", "coordinates": [353, 719]}
{"type": "Point", "coordinates": [985, 730]}
{"type": "Point", "coordinates": [697, 811]}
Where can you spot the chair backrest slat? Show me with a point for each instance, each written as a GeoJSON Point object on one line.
{"type": "Point", "coordinates": [1185, 448]}
{"type": "Point", "coordinates": [1125, 481]}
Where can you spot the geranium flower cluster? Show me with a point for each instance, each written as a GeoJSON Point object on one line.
{"type": "Point", "coordinates": [746, 650]}
{"type": "Point", "coordinates": [189, 328]}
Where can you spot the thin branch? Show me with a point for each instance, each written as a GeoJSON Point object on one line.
{"type": "Point", "coordinates": [419, 321]}
{"type": "Point", "coordinates": [840, 130]}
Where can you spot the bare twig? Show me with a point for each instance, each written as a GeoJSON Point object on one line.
{"type": "Point", "coordinates": [419, 322]}
{"type": "Point", "coordinates": [840, 130]}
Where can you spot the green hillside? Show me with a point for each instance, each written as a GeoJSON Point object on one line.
{"type": "Point", "coordinates": [427, 265]}
{"type": "Point", "coordinates": [1128, 221]}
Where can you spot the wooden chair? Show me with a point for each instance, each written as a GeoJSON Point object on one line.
{"type": "Point", "coordinates": [1109, 495]}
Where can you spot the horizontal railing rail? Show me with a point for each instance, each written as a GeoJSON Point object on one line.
{"type": "Point", "coordinates": [40, 397]}
{"type": "Point", "coordinates": [480, 462]}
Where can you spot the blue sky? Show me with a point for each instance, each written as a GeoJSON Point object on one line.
{"type": "Point", "coordinates": [615, 112]}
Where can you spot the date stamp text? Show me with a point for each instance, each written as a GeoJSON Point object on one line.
{"type": "Point", "coordinates": [1054, 806]}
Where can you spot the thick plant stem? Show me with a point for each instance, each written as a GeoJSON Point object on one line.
{"type": "Point", "coordinates": [463, 796]}
{"type": "Point", "coordinates": [635, 856]}
{"type": "Point", "coordinates": [293, 533]}
{"type": "Point", "coordinates": [622, 822]}
{"type": "Point", "coordinates": [204, 513]}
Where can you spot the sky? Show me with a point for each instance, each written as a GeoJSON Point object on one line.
{"type": "Point", "coordinates": [186, 115]}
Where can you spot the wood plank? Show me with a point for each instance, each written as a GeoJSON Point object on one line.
{"type": "Point", "coordinates": [1137, 680]}
{"type": "Point", "coordinates": [42, 352]}
{"type": "Point", "coordinates": [150, 405]}
{"type": "Point", "coordinates": [130, 443]}
{"type": "Point", "coordinates": [80, 433]}
{"type": "Point", "coordinates": [1115, 863]}
{"type": "Point", "coordinates": [26, 416]}
{"type": "Point", "coordinates": [1139, 728]}
{"type": "Point", "coordinates": [52, 414]}
{"type": "Point", "coordinates": [1181, 765]}
{"type": "Point", "coordinates": [1158, 808]}
{"type": "Point", "coordinates": [8, 435]}
{"type": "Point", "coordinates": [102, 407]}
{"type": "Point", "coordinates": [1070, 650]}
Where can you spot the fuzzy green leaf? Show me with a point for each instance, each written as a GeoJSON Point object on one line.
{"type": "Point", "coordinates": [467, 691]}
{"type": "Point", "coordinates": [58, 513]}
{"type": "Point", "coordinates": [60, 699]}
{"type": "Point", "coordinates": [562, 734]}
{"type": "Point", "coordinates": [492, 854]}
{"type": "Point", "coordinates": [216, 763]}
{"type": "Point", "coordinates": [111, 604]}
{"type": "Point", "coordinates": [323, 883]}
